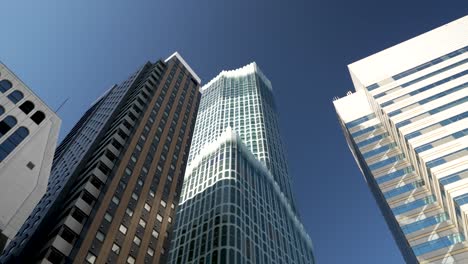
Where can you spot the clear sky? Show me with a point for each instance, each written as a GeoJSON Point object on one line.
{"type": "Point", "coordinates": [78, 49]}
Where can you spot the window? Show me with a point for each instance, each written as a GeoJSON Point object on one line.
{"type": "Point", "coordinates": [130, 260]}
{"type": "Point", "coordinates": [159, 217]}
{"type": "Point", "coordinates": [90, 258]}
{"type": "Point", "coordinates": [129, 211]}
{"type": "Point", "coordinates": [6, 124]}
{"type": "Point", "coordinates": [115, 200]}
{"type": "Point", "coordinates": [150, 251]}
{"type": "Point", "coordinates": [15, 96]}
{"type": "Point", "coordinates": [108, 217]}
{"type": "Point", "coordinates": [115, 248]}
{"type": "Point", "coordinates": [135, 196]}
{"type": "Point", "coordinates": [137, 240]}
{"type": "Point", "coordinates": [12, 142]}
{"type": "Point", "coordinates": [30, 165]}
{"type": "Point", "coordinates": [123, 229]}
{"type": "Point", "coordinates": [100, 236]}
{"type": "Point", "coordinates": [155, 234]}
{"type": "Point", "coordinates": [38, 117]}
{"type": "Point", "coordinates": [147, 207]}
{"type": "Point", "coordinates": [163, 203]}
{"type": "Point", "coordinates": [142, 223]}
{"type": "Point", "coordinates": [5, 85]}
{"type": "Point", "coordinates": [2, 110]}
{"type": "Point", "coordinates": [26, 107]}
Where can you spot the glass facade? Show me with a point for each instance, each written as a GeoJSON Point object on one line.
{"type": "Point", "coordinates": [408, 135]}
{"type": "Point", "coordinates": [236, 204]}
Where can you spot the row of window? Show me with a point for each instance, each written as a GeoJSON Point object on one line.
{"type": "Point", "coordinates": [423, 66]}
{"type": "Point", "coordinates": [425, 88]}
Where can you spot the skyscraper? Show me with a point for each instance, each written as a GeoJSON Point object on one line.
{"type": "Point", "coordinates": [236, 204]}
{"type": "Point", "coordinates": [117, 175]}
{"type": "Point", "coordinates": [406, 126]}
{"type": "Point", "coordinates": [28, 137]}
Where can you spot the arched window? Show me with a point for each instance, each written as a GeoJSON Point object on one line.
{"type": "Point", "coordinates": [15, 96]}
{"type": "Point", "coordinates": [27, 107]}
{"type": "Point", "coordinates": [6, 124]}
{"type": "Point", "coordinates": [2, 110]}
{"type": "Point", "coordinates": [12, 142]}
{"type": "Point", "coordinates": [38, 117]}
{"type": "Point", "coordinates": [5, 85]}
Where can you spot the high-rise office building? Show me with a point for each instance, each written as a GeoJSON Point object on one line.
{"type": "Point", "coordinates": [117, 175]}
{"type": "Point", "coordinates": [28, 137]}
{"type": "Point", "coordinates": [236, 204]}
{"type": "Point", "coordinates": [407, 127]}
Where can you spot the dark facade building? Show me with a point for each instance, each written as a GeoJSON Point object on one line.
{"type": "Point", "coordinates": [117, 176]}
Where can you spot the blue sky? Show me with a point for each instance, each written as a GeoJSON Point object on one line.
{"type": "Point", "coordinates": [79, 49]}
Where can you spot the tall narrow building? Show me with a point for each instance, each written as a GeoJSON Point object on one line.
{"type": "Point", "coordinates": [236, 204]}
{"type": "Point", "coordinates": [117, 175]}
{"type": "Point", "coordinates": [28, 137]}
{"type": "Point", "coordinates": [407, 128]}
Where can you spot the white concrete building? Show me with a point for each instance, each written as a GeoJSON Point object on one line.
{"type": "Point", "coordinates": [28, 137]}
{"type": "Point", "coordinates": [406, 126]}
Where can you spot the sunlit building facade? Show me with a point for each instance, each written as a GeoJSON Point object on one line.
{"type": "Point", "coordinates": [236, 204]}
{"type": "Point", "coordinates": [407, 127]}
{"type": "Point", "coordinates": [28, 136]}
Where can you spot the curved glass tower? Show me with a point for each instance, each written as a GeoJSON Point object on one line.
{"type": "Point", "coordinates": [236, 204]}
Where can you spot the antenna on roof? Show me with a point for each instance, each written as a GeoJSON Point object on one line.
{"type": "Point", "coordinates": [61, 105]}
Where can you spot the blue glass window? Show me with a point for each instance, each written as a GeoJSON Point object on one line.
{"type": "Point", "coordinates": [403, 189]}
{"type": "Point", "coordinates": [6, 124]}
{"type": "Point", "coordinates": [427, 87]}
{"type": "Point", "coordinates": [15, 96]}
{"type": "Point", "coordinates": [386, 162]}
{"type": "Point", "coordinates": [430, 63]}
{"type": "Point", "coordinates": [429, 221]}
{"type": "Point", "coordinates": [444, 159]}
{"type": "Point", "coordinates": [394, 175]}
{"type": "Point", "coordinates": [372, 140]}
{"type": "Point", "coordinates": [438, 244]}
{"type": "Point", "coordinates": [429, 145]}
{"type": "Point", "coordinates": [462, 199]}
{"type": "Point", "coordinates": [443, 123]}
{"type": "Point", "coordinates": [359, 121]}
{"type": "Point", "coordinates": [373, 87]}
{"type": "Point", "coordinates": [5, 85]}
{"type": "Point", "coordinates": [423, 77]}
{"type": "Point", "coordinates": [378, 150]}
{"type": "Point", "coordinates": [2, 110]}
{"type": "Point", "coordinates": [12, 142]}
{"type": "Point", "coordinates": [413, 205]}
{"type": "Point", "coordinates": [365, 130]}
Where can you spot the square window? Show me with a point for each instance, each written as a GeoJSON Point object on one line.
{"type": "Point", "coordinates": [135, 196]}
{"type": "Point", "coordinates": [108, 217]}
{"type": "Point", "coordinates": [151, 193]}
{"type": "Point", "coordinates": [115, 200]}
{"type": "Point", "coordinates": [159, 217]}
{"type": "Point", "coordinates": [155, 234]}
{"type": "Point", "coordinates": [130, 260]}
{"type": "Point", "coordinates": [142, 223]}
{"type": "Point", "coordinates": [115, 248]}
{"type": "Point", "coordinates": [169, 219]}
{"type": "Point", "coordinates": [123, 229]}
{"type": "Point", "coordinates": [150, 251]}
{"type": "Point", "coordinates": [30, 165]}
{"type": "Point", "coordinates": [147, 207]}
{"type": "Point", "coordinates": [137, 240]}
{"type": "Point", "coordinates": [100, 236]}
{"type": "Point", "coordinates": [129, 211]}
{"type": "Point", "coordinates": [163, 203]}
{"type": "Point", "coordinates": [90, 258]}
